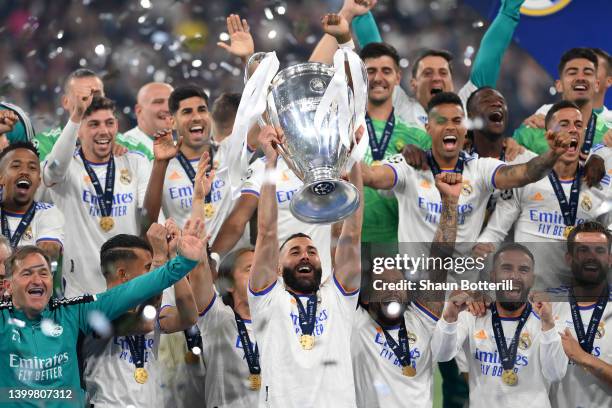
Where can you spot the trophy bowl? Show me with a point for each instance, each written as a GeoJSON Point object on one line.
{"type": "Point", "coordinates": [313, 151]}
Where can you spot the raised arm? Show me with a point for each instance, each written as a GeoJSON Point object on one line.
{"type": "Point", "coordinates": [233, 226]}
{"type": "Point", "coordinates": [449, 185]}
{"type": "Point", "coordinates": [201, 278]}
{"type": "Point", "coordinates": [124, 297]}
{"type": "Point", "coordinates": [519, 175]}
{"type": "Point", "coordinates": [552, 358]}
{"type": "Point", "coordinates": [164, 150]}
{"type": "Point", "coordinates": [183, 314]}
{"type": "Point", "coordinates": [339, 32]}
{"type": "Point", "coordinates": [265, 262]}
{"type": "Point", "coordinates": [494, 44]}
{"type": "Point", "coordinates": [56, 166]}
{"type": "Point", "coordinates": [347, 269]}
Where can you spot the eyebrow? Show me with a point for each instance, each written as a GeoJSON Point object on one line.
{"type": "Point", "coordinates": [40, 266]}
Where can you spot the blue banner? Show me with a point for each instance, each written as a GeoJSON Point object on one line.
{"type": "Point", "coordinates": [548, 28]}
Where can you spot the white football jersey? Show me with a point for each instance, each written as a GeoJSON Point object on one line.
{"type": "Point", "coordinates": [178, 191]}
{"type": "Point", "coordinates": [410, 111]}
{"type": "Point", "coordinates": [77, 199]}
{"type": "Point", "coordinates": [109, 373]}
{"type": "Point", "coordinates": [47, 225]}
{"type": "Point", "coordinates": [293, 377]}
{"type": "Point", "coordinates": [537, 351]}
{"type": "Point", "coordinates": [287, 184]}
{"type": "Point", "coordinates": [377, 371]}
{"type": "Point", "coordinates": [227, 379]}
{"type": "Point", "coordinates": [580, 388]}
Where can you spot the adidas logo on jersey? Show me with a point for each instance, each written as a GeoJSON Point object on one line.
{"type": "Point", "coordinates": [537, 197]}
{"type": "Point", "coordinates": [425, 184]}
{"type": "Point", "coordinates": [175, 175]}
{"type": "Point", "coordinates": [481, 335]}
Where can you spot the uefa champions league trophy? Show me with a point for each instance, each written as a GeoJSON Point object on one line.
{"type": "Point", "coordinates": [314, 151]}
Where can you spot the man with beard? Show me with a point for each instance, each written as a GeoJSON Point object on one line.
{"type": "Point", "coordinates": [547, 210]}
{"type": "Point", "coordinates": [577, 83]}
{"type": "Point", "coordinates": [585, 321]}
{"type": "Point", "coordinates": [391, 337]}
{"type": "Point", "coordinates": [514, 352]}
{"type": "Point", "coordinates": [25, 221]}
{"type": "Point", "coordinates": [303, 327]}
{"type": "Point", "coordinates": [152, 115]}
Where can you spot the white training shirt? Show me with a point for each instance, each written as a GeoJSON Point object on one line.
{"type": "Point", "coordinates": [287, 184]}
{"type": "Point", "coordinates": [540, 359]}
{"type": "Point", "coordinates": [178, 191]}
{"type": "Point", "coordinates": [47, 225]}
{"type": "Point", "coordinates": [227, 371]}
{"type": "Point", "coordinates": [76, 198]}
{"type": "Point", "coordinates": [377, 371]}
{"type": "Point", "coordinates": [580, 388]}
{"type": "Point", "coordinates": [109, 373]}
{"type": "Point", "coordinates": [293, 377]}
{"type": "Point", "coordinates": [410, 111]}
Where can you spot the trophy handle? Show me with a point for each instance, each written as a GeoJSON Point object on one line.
{"type": "Point", "coordinates": [252, 64]}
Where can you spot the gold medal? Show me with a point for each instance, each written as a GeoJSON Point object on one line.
{"type": "Point", "coordinates": [191, 358]}
{"type": "Point", "coordinates": [509, 377]}
{"type": "Point", "coordinates": [567, 231]}
{"type": "Point", "coordinates": [409, 371]}
{"type": "Point", "coordinates": [376, 163]}
{"type": "Point", "coordinates": [141, 376]}
{"type": "Point", "coordinates": [107, 223]}
{"type": "Point", "coordinates": [307, 341]}
{"type": "Point", "coordinates": [255, 382]}
{"type": "Point", "coordinates": [209, 210]}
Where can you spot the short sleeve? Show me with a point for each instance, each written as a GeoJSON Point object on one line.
{"type": "Point", "coordinates": [215, 314]}
{"type": "Point", "coordinates": [50, 225]}
{"type": "Point", "coordinates": [486, 168]}
{"type": "Point", "coordinates": [260, 301]}
{"type": "Point", "coordinates": [402, 171]}
{"type": "Point", "coordinates": [254, 178]}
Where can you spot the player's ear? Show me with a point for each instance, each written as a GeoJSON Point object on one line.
{"type": "Point", "coordinates": [122, 274]}
{"type": "Point", "coordinates": [559, 86]}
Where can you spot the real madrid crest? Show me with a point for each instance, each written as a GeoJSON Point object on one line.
{"type": "Point", "coordinates": [412, 338]}
{"type": "Point", "coordinates": [601, 331]}
{"type": "Point", "coordinates": [27, 234]}
{"type": "Point", "coordinates": [126, 177]}
{"type": "Point", "coordinates": [586, 203]}
{"type": "Point", "coordinates": [524, 341]}
{"type": "Point", "coordinates": [506, 195]}
{"type": "Point", "coordinates": [467, 188]}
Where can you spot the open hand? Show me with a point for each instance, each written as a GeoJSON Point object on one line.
{"type": "Point", "coordinates": [164, 148]}
{"type": "Point", "coordinates": [241, 40]}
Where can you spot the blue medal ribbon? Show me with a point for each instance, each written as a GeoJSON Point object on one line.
{"type": "Point", "coordinates": [23, 225]}
{"type": "Point", "coordinates": [137, 349]}
{"type": "Point", "coordinates": [507, 354]}
{"type": "Point", "coordinates": [586, 339]}
{"type": "Point", "coordinates": [105, 197]}
{"type": "Point", "coordinates": [589, 134]}
{"type": "Point", "coordinates": [252, 357]}
{"type": "Point", "coordinates": [435, 168]}
{"type": "Point", "coordinates": [306, 316]}
{"type": "Point", "coordinates": [569, 210]}
{"type": "Point", "coordinates": [401, 350]}
{"type": "Point", "coordinates": [380, 148]}
{"type": "Point", "coordinates": [191, 173]}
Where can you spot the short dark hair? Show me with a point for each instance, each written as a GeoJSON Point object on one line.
{"type": "Point", "coordinates": [575, 53]}
{"type": "Point", "coordinates": [20, 254]}
{"type": "Point", "coordinates": [432, 53]}
{"type": "Point", "coordinates": [379, 49]}
{"type": "Point", "coordinates": [444, 98]}
{"type": "Point", "coordinates": [296, 235]}
{"type": "Point", "coordinates": [100, 103]}
{"type": "Point", "coordinates": [588, 226]}
{"type": "Point", "coordinates": [556, 108]}
{"type": "Point", "coordinates": [78, 73]}
{"type": "Point", "coordinates": [227, 266]}
{"type": "Point", "coordinates": [225, 107]}
{"type": "Point", "coordinates": [513, 246]}
{"type": "Point", "coordinates": [468, 103]}
{"type": "Point", "coordinates": [607, 57]}
{"type": "Point", "coordinates": [18, 145]}
{"type": "Point", "coordinates": [119, 248]}
{"type": "Point", "coordinates": [185, 92]}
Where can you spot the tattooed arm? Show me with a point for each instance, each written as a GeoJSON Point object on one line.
{"type": "Point", "coordinates": [449, 185]}
{"type": "Point", "coordinates": [519, 175]}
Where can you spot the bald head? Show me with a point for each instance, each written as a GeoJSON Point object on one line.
{"type": "Point", "coordinates": [151, 108]}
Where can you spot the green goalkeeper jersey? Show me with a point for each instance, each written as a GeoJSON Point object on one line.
{"type": "Point", "coordinates": [40, 355]}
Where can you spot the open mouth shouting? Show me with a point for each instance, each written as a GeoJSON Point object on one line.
{"type": "Point", "coordinates": [436, 90]}
{"type": "Point", "coordinates": [449, 142]}
{"type": "Point", "coordinates": [305, 269]}
{"type": "Point", "coordinates": [23, 184]}
{"type": "Point", "coordinates": [573, 147]}
{"type": "Point", "coordinates": [580, 87]}
{"type": "Point", "coordinates": [103, 142]}
{"type": "Point", "coordinates": [36, 291]}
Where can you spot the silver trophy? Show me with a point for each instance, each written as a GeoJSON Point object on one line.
{"type": "Point", "coordinates": [318, 158]}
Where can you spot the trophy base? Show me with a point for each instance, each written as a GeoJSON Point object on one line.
{"type": "Point", "coordinates": [325, 202]}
